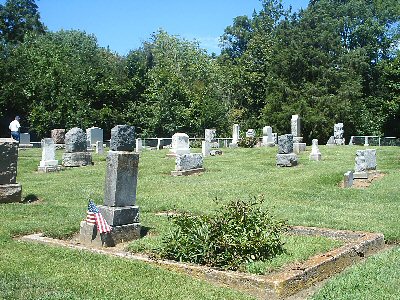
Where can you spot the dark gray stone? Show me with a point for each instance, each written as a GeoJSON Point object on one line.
{"type": "Point", "coordinates": [122, 138]}
{"type": "Point", "coordinates": [119, 234]}
{"type": "Point", "coordinates": [116, 216]}
{"type": "Point", "coordinates": [286, 160]}
{"type": "Point", "coordinates": [75, 140]}
{"type": "Point", "coordinates": [285, 144]}
{"type": "Point", "coordinates": [10, 193]}
{"type": "Point", "coordinates": [77, 159]}
{"type": "Point", "coordinates": [188, 162]}
{"type": "Point", "coordinates": [8, 161]}
{"type": "Point", "coordinates": [121, 178]}
{"type": "Point", "coordinates": [58, 136]}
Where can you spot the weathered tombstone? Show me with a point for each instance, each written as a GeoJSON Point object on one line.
{"type": "Point", "coordinates": [76, 154]}
{"type": "Point", "coordinates": [370, 159]}
{"type": "Point", "coordinates": [93, 135]}
{"type": "Point", "coordinates": [268, 138]}
{"type": "Point", "coordinates": [250, 133]}
{"type": "Point", "coordinates": [188, 164]}
{"type": "Point", "coordinates": [25, 140]}
{"type": "Point", "coordinates": [298, 146]}
{"type": "Point", "coordinates": [10, 190]}
{"type": "Point", "coordinates": [139, 145]}
{"type": "Point", "coordinates": [58, 136]}
{"type": "Point", "coordinates": [49, 163]}
{"type": "Point", "coordinates": [348, 179]}
{"type": "Point", "coordinates": [209, 135]}
{"type": "Point", "coordinates": [360, 167]}
{"type": "Point", "coordinates": [285, 156]}
{"type": "Point", "coordinates": [119, 209]}
{"type": "Point", "coordinates": [338, 134]}
{"type": "Point", "coordinates": [205, 148]}
{"type": "Point", "coordinates": [235, 136]}
{"type": "Point", "coordinates": [180, 144]}
{"type": "Point", "coordinates": [331, 141]}
{"type": "Point", "coordinates": [99, 147]}
{"type": "Point", "coordinates": [315, 153]}
{"type": "Point", "coordinates": [295, 126]}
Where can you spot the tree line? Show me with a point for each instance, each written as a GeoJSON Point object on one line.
{"type": "Point", "coordinates": [335, 61]}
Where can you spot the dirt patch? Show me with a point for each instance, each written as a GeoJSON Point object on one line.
{"type": "Point", "coordinates": [364, 183]}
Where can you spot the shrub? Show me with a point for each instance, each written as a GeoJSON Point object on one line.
{"type": "Point", "coordinates": [239, 232]}
{"type": "Point", "coordinates": [247, 142]}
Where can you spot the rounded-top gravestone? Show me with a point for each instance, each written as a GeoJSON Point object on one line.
{"type": "Point", "coordinates": [122, 138]}
{"type": "Point", "coordinates": [75, 140]}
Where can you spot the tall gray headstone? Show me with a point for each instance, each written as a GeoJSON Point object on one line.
{"type": "Point", "coordinates": [285, 156]}
{"type": "Point", "coordinates": [235, 136]}
{"type": "Point", "coordinates": [295, 125]}
{"type": "Point", "coordinates": [10, 190]}
{"type": "Point", "coordinates": [119, 209]}
{"type": "Point", "coordinates": [93, 135]}
{"type": "Point", "coordinates": [76, 154]}
{"type": "Point", "coordinates": [338, 133]}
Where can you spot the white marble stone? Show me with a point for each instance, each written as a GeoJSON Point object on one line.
{"type": "Point", "coordinates": [48, 153]}
{"type": "Point", "coordinates": [180, 144]}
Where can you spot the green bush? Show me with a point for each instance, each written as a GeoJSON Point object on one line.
{"type": "Point", "coordinates": [239, 232]}
{"type": "Point", "coordinates": [248, 142]}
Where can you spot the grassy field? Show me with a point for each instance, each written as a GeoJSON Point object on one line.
{"type": "Point", "coordinates": [305, 195]}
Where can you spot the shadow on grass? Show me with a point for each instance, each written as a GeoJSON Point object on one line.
{"type": "Point", "coordinates": [144, 230]}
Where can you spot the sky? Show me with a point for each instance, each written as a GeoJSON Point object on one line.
{"type": "Point", "coordinates": [123, 25]}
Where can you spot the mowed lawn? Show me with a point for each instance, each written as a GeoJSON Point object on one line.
{"type": "Point", "coordinates": [304, 195]}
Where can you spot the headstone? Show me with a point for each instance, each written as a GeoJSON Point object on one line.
{"type": "Point", "coordinates": [295, 126]}
{"type": "Point", "coordinates": [370, 159]}
{"type": "Point", "coordinates": [76, 154]}
{"type": "Point", "coordinates": [24, 139]}
{"type": "Point", "coordinates": [315, 153]}
{"type": "Point", "coordinates": [49, 163]}
{"type": "Point", "coordinates": [348, 179]}
{"type": "Point", "coordinates": [268, 138]}
{"type": "Point", "coordinates": [360, 167]}
{"type": "Point", "coordinates": [338, 134]}
{"type": "Point", "coordinates": [235, 136]}
{"type": "Point", "coordinates": [331, 141]}
{"type": "Point", "coordinates": [180, 144]}
{"type": "Point", "coordinates": [119, 209]}
{"type": "Point", "coordinates": [10, 190]}
{"type": "Point", "coordinates": [122, 138]}
{"type": "Point", "coordinates": [58, 136]}
{"type": "Point", "coordinates": [285, 156]}
{"type": "Point", "coordinates": [250, 133]}
{"type": "Point", "coordinates": [93, 135]}
{"type": "Point", "coordinates": [205, 148]}
{"type": "Point", "coordinates": [139, 145]}
{"type": "Point", "coordinates": [188, 164]}
{"type": "Point", "coordinates": [99, 147]}
{"type": "Point", "coordinates": [209, 135]}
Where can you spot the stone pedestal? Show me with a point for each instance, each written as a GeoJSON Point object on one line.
{"type": "Point", "coordinates": [286, 160]}
{"type": "Point", "coordinates": [77, 159]}
{"type": "Point", "coordinates": [119, 234]}
{"type": "Point", "coordinates": [10, 193]}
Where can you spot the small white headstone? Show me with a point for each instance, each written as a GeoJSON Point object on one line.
{"type": "Point", "coordinates": [139, 145]}
{"type": "Point", "coordinates": [48, 153]}
{"type": "Point", "coordinates": [315, 153]}
{"type": "Point", "coordinates": [99, 147]}
{"type": "Point", "coordinates": [180, 144]}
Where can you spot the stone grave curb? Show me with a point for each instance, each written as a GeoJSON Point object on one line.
{"type": "Point", "coordinates": [187, 172]}
{"type": "Point", "coordinates": [278, 285]}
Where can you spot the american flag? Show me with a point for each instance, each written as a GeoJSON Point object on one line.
{"type": "Point", "coordinates": [94, 217]}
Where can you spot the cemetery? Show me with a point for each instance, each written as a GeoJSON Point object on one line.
{"type": "Point", "coordinates": [330, 228]}
{"type": "Point", "coordinates": [259, 160]}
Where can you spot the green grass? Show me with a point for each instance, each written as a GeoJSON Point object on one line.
{"type": "Point", "coordinates": [305, 195]}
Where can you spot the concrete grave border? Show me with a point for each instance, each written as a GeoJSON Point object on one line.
{"type": "Point", "coordinates": [277, 285]}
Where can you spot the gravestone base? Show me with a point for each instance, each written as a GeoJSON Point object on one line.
{"type": "Point", "coordinates": [116, 216]}
{"type": "Point", "coordinates": [215, 152]}
{"type": "Point", "coordinates": [187, 172]}
{"type": "Point", "coordinates": [24, 146]}
{"type": "Point", "coordinates": [10, 193]}
{"type": "Point", "coordinates": [286, 160]}
{"type": "Point", "coordinates": [48, 169]}
{"type": "Point", "coordinates": [316, 157]}
{"type": "Point", "coordinates": [77, 159]}
{"type": "Point", "coordinates": [119, 234]}
{"type": "Point", "coordinates": [360, 175]}
{"type": "Point", "coordinates": [299, 147]}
